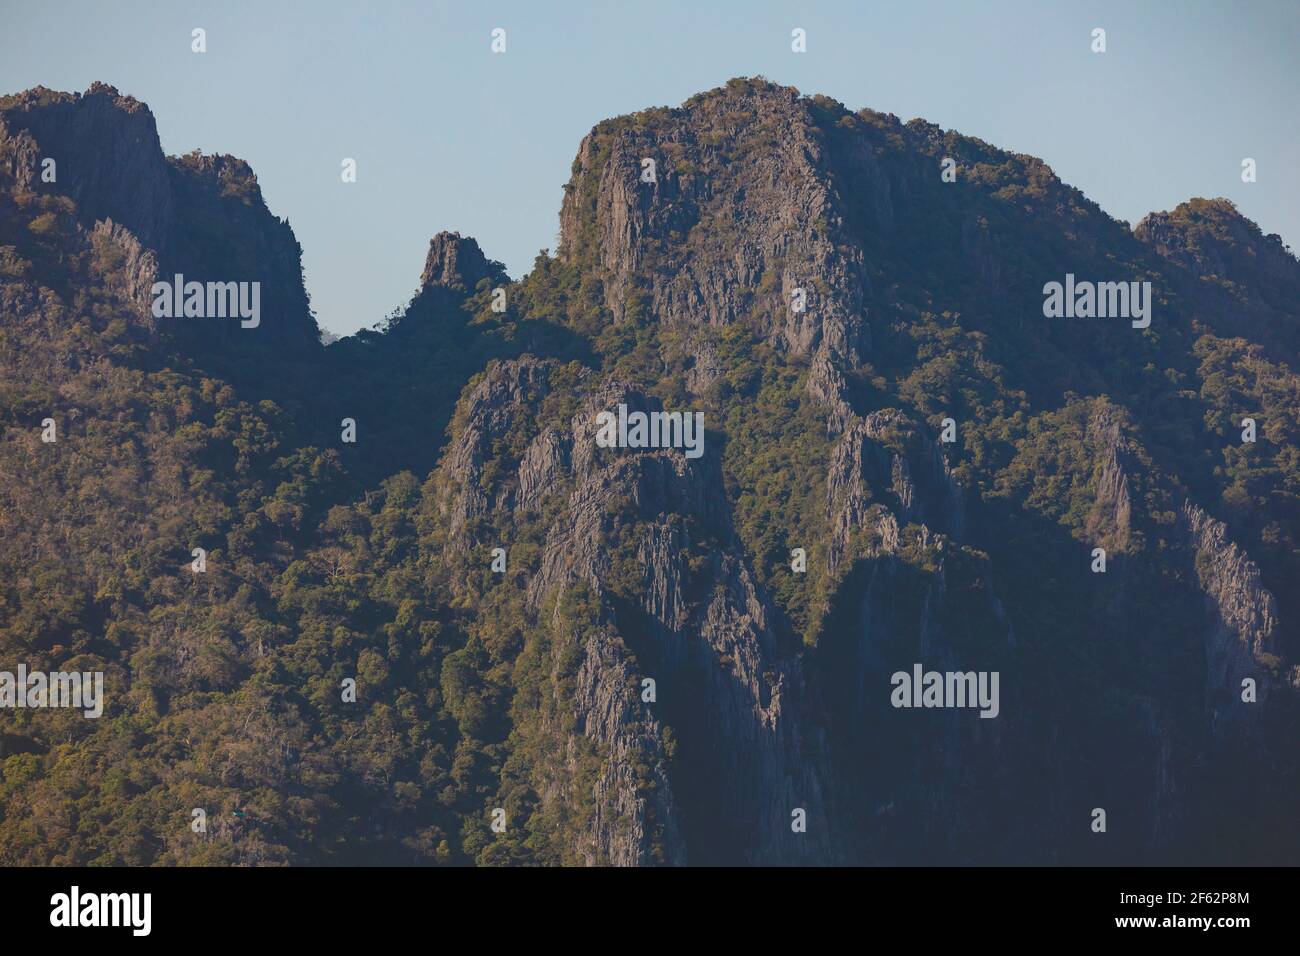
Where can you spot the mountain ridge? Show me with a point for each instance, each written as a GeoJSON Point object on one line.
{"type": "Point", "coordinates": [523, 687]}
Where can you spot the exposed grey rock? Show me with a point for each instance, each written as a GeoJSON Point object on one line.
{"type": "Point", "coordinates": [504, 392]}
{"type": "Point", "coordinates": [454, 262]}
{"type": "Point", "coordinates": [752, 694]}
{"type": "Point", "coordinates": [721, 644]}
{"type": "Point", "coordinates": [1109, 522]}
{"type": "Point", "coordinates": [135, 268]}
{"type": "Point", "coordinates": [635, 820]}
{"type": "Point", "coordinates": [110, 163]}
{"type": "Point", "coordinates": [722, 252]}
{"type": "Point", "coordinates": [107, 154]}
{"type": "Point", "coordinates": [1242, 615]}
{"type": "Point", "coordinates": [883, 458]}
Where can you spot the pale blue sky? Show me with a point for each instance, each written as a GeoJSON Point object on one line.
{"type": "Point", "coordinates": [449, 136]}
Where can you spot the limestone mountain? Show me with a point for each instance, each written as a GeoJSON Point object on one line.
{"type": "Point", "coordinates": [639, 656]}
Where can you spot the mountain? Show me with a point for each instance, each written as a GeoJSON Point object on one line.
{"type": "Point", "coordinates": [441, 620]}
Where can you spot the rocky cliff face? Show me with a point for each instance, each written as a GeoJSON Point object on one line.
{"type": "Point", "coordinates": [106, 155]}
{"type": "Point", "coordinates": [712, 215]}
{"type": "Point", "coordinates": [201, 216]}
{"type": "Point", "coordinates": [1239, 636]}
{"type": "Point", "coordinates": [454, 269]}
{"type": "Point", "coordinates": [706, 236]}
{"type": "Point", "coordinates": [455, 263]}
{"type": "Point", "coordinates": [226, 233]}
{"type": "Point", "coordinates": [640, 530]}
{"type": "Point", "coordinates": [887, 452]}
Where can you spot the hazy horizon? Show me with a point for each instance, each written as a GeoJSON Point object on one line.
{"type": "Point", "coordinates": [450, 136]}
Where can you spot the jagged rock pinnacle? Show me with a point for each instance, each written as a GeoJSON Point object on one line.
{"type": "Point", "coordinates": [454, 262]}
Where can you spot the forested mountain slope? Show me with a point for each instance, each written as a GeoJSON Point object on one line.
{"type": "Point", "coordinates": [516, 679]}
